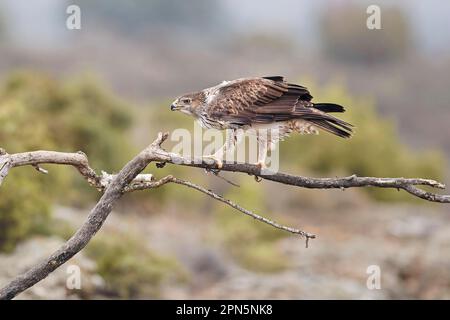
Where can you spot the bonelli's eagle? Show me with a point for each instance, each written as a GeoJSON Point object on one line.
{"type": "Point", "coordinates": [260, 103]}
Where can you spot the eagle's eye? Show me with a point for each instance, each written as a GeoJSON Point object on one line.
{"type": "Point", "coordinates": [186, 100]}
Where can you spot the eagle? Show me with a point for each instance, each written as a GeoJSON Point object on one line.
{"type": "Point", "coordinates": [260, 103]}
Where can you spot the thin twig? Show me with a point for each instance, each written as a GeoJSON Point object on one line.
{"type": "Point", "coordinates": [243, 210]}
{"type": "Point", "coordinates": [217, 174]}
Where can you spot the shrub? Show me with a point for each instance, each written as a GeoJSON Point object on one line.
{"type": "Point", "coordinates": [37, 112]}
{"type": "Point", "coordinates": [130, 269]}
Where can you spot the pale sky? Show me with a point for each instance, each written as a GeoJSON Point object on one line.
{"type": "Point", "coordinates": [38, 22]}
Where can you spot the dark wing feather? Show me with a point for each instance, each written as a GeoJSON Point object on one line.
{"type": "Point", "coordinates": [239, 100]}
{"type": "Point", "coordinates": [275, 78]}
{"type": "Point", "coordinates": [261, 100]}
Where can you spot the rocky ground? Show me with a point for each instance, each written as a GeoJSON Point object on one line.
{"type": "Point", "coordinates": [410, 244]}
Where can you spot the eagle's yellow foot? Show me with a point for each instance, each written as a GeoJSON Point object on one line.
{"type": "Point", "coordinates": [217, 162]}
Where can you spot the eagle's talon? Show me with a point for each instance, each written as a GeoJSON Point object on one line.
{"type": "Point", "coordinates": [160, 165]}
{"type": "Point", "coordinates": [261, 165]}
{"type": "Point", "coordinates": [218, 163]}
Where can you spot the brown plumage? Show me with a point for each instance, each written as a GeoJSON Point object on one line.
{"type": "Point", "coordinates": [266, 102]}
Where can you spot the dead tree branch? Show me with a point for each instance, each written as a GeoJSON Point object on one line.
{"type": "Point", "coordinates": [78, 160]}
{"type": "Point", "coordinates": [407, 184]}
{"type": "Point", "coordinates": [243, 210]}
{"type": "Point", "coordinates": [114, 186]}
{"type": "Point", "coordinates": [95, 219]}
{"type": "Point", "coordinates": [130, 179]}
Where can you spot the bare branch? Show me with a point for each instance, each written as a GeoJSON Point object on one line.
{"type": "Point", "coordinates": [407, 184]}
{"type": "Point", "coordinates": [129, 179]}
{"type": "Point", "coordinates": [168, 179]}
{"type": "Point", "coordinates": [78, 160]}
{"type": "Point", "coordinates": [95, 219]}
{"type": "Point", "coordinates": [243, 210]}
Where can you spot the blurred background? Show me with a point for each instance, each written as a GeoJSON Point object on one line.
{"type": "Point", "coordinates": [105, 89]}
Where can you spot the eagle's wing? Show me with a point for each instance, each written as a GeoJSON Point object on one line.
{"type": "Point", "coordinates": [269, 99]}
{"type": "Point", "coordinates": [250, 100]}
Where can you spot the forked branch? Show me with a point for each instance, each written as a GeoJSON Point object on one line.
{"type": "Point", "coordinates": [130, 179]}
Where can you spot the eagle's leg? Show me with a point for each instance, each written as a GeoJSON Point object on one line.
{"type": "Point", "coordinates": [267, 141]}
{"type": "Point", "coordinates": [263, 144]}
{"type": "Point", "coordinates": [229, 145]}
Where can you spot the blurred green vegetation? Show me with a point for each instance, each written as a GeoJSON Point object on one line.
{"type": "Point", "coordinates": [131, 269]}
{"type": "Point", "coordinates": [346, 37]}
{"type": "Point", "coordinates": [24, 206]}
{"type": "Point", "coordinates": [38, 112]}
{"type": "Point", "coordinates": [251, 243]}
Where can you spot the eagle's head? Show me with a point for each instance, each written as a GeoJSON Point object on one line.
{"type": "Point", "coordinates": [189, 103]}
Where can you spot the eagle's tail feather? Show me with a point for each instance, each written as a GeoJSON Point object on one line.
{"type": "Point", "coordinates": [339, 128]}
{"type": "Point", "coordinates": [327, 122]}
{"type": "Point", "coordinates": [333, 127]}
{"type": "Point", "coordinates": [329, 107]}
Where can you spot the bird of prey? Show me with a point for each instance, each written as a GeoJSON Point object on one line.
{"type": "Point", "coordinates": [260, 103]}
